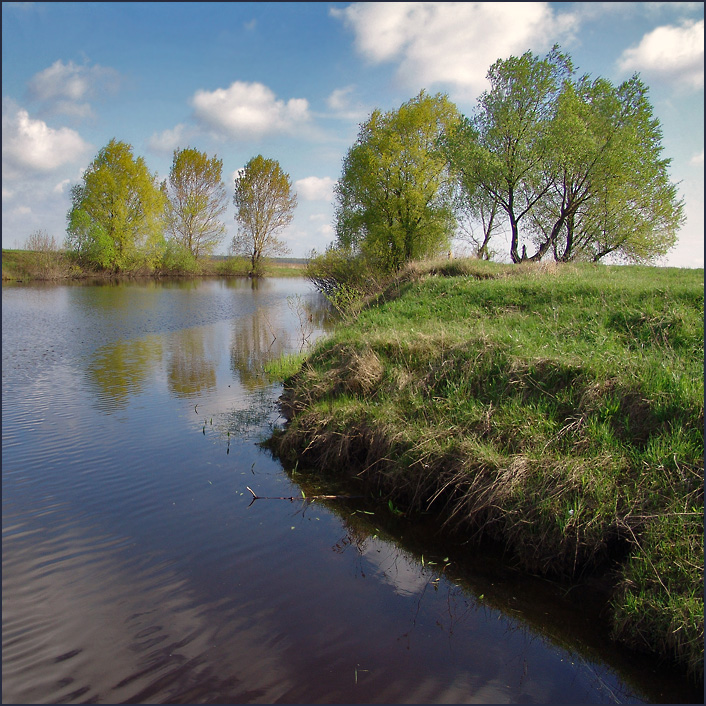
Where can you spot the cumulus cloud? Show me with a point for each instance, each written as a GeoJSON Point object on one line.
{"type": "Point", "coordinates": [31, 146]}
{"type": "Point", "coordinates": [249, 110]}
{"type": "Point", "coordinates": [340, 102]}
{"type": "Point", "coordinates": [697, 159]}
{"type": "Point", "coordinates": [448, 42]}
{"type": "Point", "coordinates": [67, 87]}
{"type": "Point", "coordinates": [315, 188]}
{"type": "Point", "coordinates": [671, 53]}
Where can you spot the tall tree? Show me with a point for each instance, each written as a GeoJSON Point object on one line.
{"type": "Point", "coordinates": [116, 217]}
{"type": "Point", "coordinates": [610, 192]}
{"type": "Point", "coordinates": [395, 196]}
{"type": "Point", "coordinates": [265, 204]}
{"type": "Point", "coordinates": [501, 152]}
{"type": "Point", "coordinates": [575, 165]}
{"type": "Point", "coordinates": [195, 201]}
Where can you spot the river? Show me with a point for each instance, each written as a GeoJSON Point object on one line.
{"type": "Point", "coordinates": [136, 567]}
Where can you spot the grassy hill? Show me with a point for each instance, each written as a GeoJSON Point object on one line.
{"type": "Point", "coordinates": [558, 409]}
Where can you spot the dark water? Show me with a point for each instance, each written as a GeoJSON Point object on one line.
{"type": "Point", "coordinates": [136, 569]}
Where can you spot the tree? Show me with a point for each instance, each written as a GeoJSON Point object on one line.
{"type": "Point", "coordinates": [195, 201]}
{"type": "Point", "coordinates": [395, 196]}
{"type": "Point", "coordinates": [610, 191]}
{"type": "Point", "coordinates": [575, 165]}
{"type": "Point", "coordinates": [116, 217]}
{"type": "Point", "coordinates": [265, 205]}
{"type": "Point", "coordinates": [501, 152]}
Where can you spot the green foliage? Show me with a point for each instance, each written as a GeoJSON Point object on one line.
{"type": "Point", "coordinates": [284, 367]}
{"type": "Point", "coordinates": [343, 278]}
{"type": "Point", "coordinates": [265, 204]}
{"type": "Point", "coordinates": [500, 152]}
{"type": "Point", "coordinates": [395, 193]}
{"type": "Point", "coordinates": [574, 164]}
{"type": "Point", "coordinates": [115, 221]}
{"type": "Point", "coordinates": [231, 266]}
{"type": "Point", "coordinates": [195, 201]}
{"type": "Point", "coordinates": [47, 262]}
{"type": "Point", "coordinates": [178, 259]}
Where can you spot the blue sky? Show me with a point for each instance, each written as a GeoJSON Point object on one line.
{"type": "Point", "coordinates": [293, 81]}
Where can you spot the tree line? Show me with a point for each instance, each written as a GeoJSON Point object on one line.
{"type": "Point", "coordinates": [567, 166]}
{"type": "Point", "coordinates": [122, 219]}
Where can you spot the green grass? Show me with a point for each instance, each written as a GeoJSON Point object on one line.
{"type": "Point", "coordinates": [284, 367]}
{"type": "Point", "coordinates": [558, 409]}
{"type": "Point", "coordinates": [26, 265]}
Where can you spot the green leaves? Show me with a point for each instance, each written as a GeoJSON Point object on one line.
{"type": "Point", "coordinates": [265, 205]}
{"type": "Point", "coordinates": [116, 216]}
{"type": "Point", "coordinates": [196, 200]}
{"type": "Point", "coordinates": [394, 197]}
{"type": "Point", "coordinates": [574, 164]}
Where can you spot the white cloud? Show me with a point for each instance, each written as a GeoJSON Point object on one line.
{"type": "Point", "coordinates": [7, 194]}
{"type": "Point", "coordinates": [61, 186]}
{"type": "Point", "coordinates": [249, 110]}
{"type": "Point", "coordinates": [315, 188]}
{"type": "Point", "coordinates": [167, 141]}
{"type": "Point", "coordinates": [448, 42]}
{"type": "Point", "coordinates": [236, 175]}
{"type": "Point", "coordinates": [67, 86]}
{"type": "Point", "coordinates": [697, 158]}
{"type": "Point", "coordinates": [672, 53]}
{"type": "Point", "coordinates": [30, 145]}
{"type": "Point", "coordinates": [338, 100]}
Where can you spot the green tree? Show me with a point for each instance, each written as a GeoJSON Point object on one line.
{"type": "Point", "coordinates": [501, 152]}
{"type": "Point", "coordinates": [265, 204]}
{"type": "Point", "coordinates": [575, 165]}
{"type": "Point", "coordinates": [195, 201]}
{"type": "Point", "coordinates": [116, 217]}
{"type": "Point", "coordinates": [610, 192]}
{"type": "Point", "coordinates": [395, 196]}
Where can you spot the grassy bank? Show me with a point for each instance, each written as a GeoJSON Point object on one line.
{"type": "Point", "coordinates": [27, 265]}
{"type": "Point", "coordinates": [557, 409]}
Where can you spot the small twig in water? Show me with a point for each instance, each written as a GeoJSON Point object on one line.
{"type": "Point", "coordinates": [295, 497]}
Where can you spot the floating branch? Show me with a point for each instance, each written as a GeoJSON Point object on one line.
{"type": "Point", "coordinates": [303, 497]}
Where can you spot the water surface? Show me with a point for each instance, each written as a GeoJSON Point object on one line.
{"type": "Point", "coordinates": [136, 569]}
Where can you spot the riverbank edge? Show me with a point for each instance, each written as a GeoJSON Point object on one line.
{"type": "Point", "coordinates": [366, 450]}
{"type": "Point", "coordinates": [24, 266]}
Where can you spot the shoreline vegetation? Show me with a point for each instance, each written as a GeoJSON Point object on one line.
{"type": "Point", "coordinates": [55, 266]}
{"type": "Point", "coordinates": [555, 408]}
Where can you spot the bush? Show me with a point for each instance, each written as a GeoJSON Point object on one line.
{"type": "Point", "coordinates": [343, 278]}
{"type": "Point", "coordinates": [177, 259]}
{"type": "Point", "coordinates": [46, 261]}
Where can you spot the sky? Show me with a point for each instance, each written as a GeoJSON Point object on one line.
{"type": "Point", "coordinates": [294, 81]}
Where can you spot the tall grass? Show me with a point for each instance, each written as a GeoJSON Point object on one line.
{"type": "Point", "coordinates": [558, 409]}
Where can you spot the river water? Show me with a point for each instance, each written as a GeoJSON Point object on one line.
{"type": "Point", "coordinates": [137, 569]}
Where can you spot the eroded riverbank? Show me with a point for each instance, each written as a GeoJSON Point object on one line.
{"type": "Point", "coordinates": [558, 412]}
